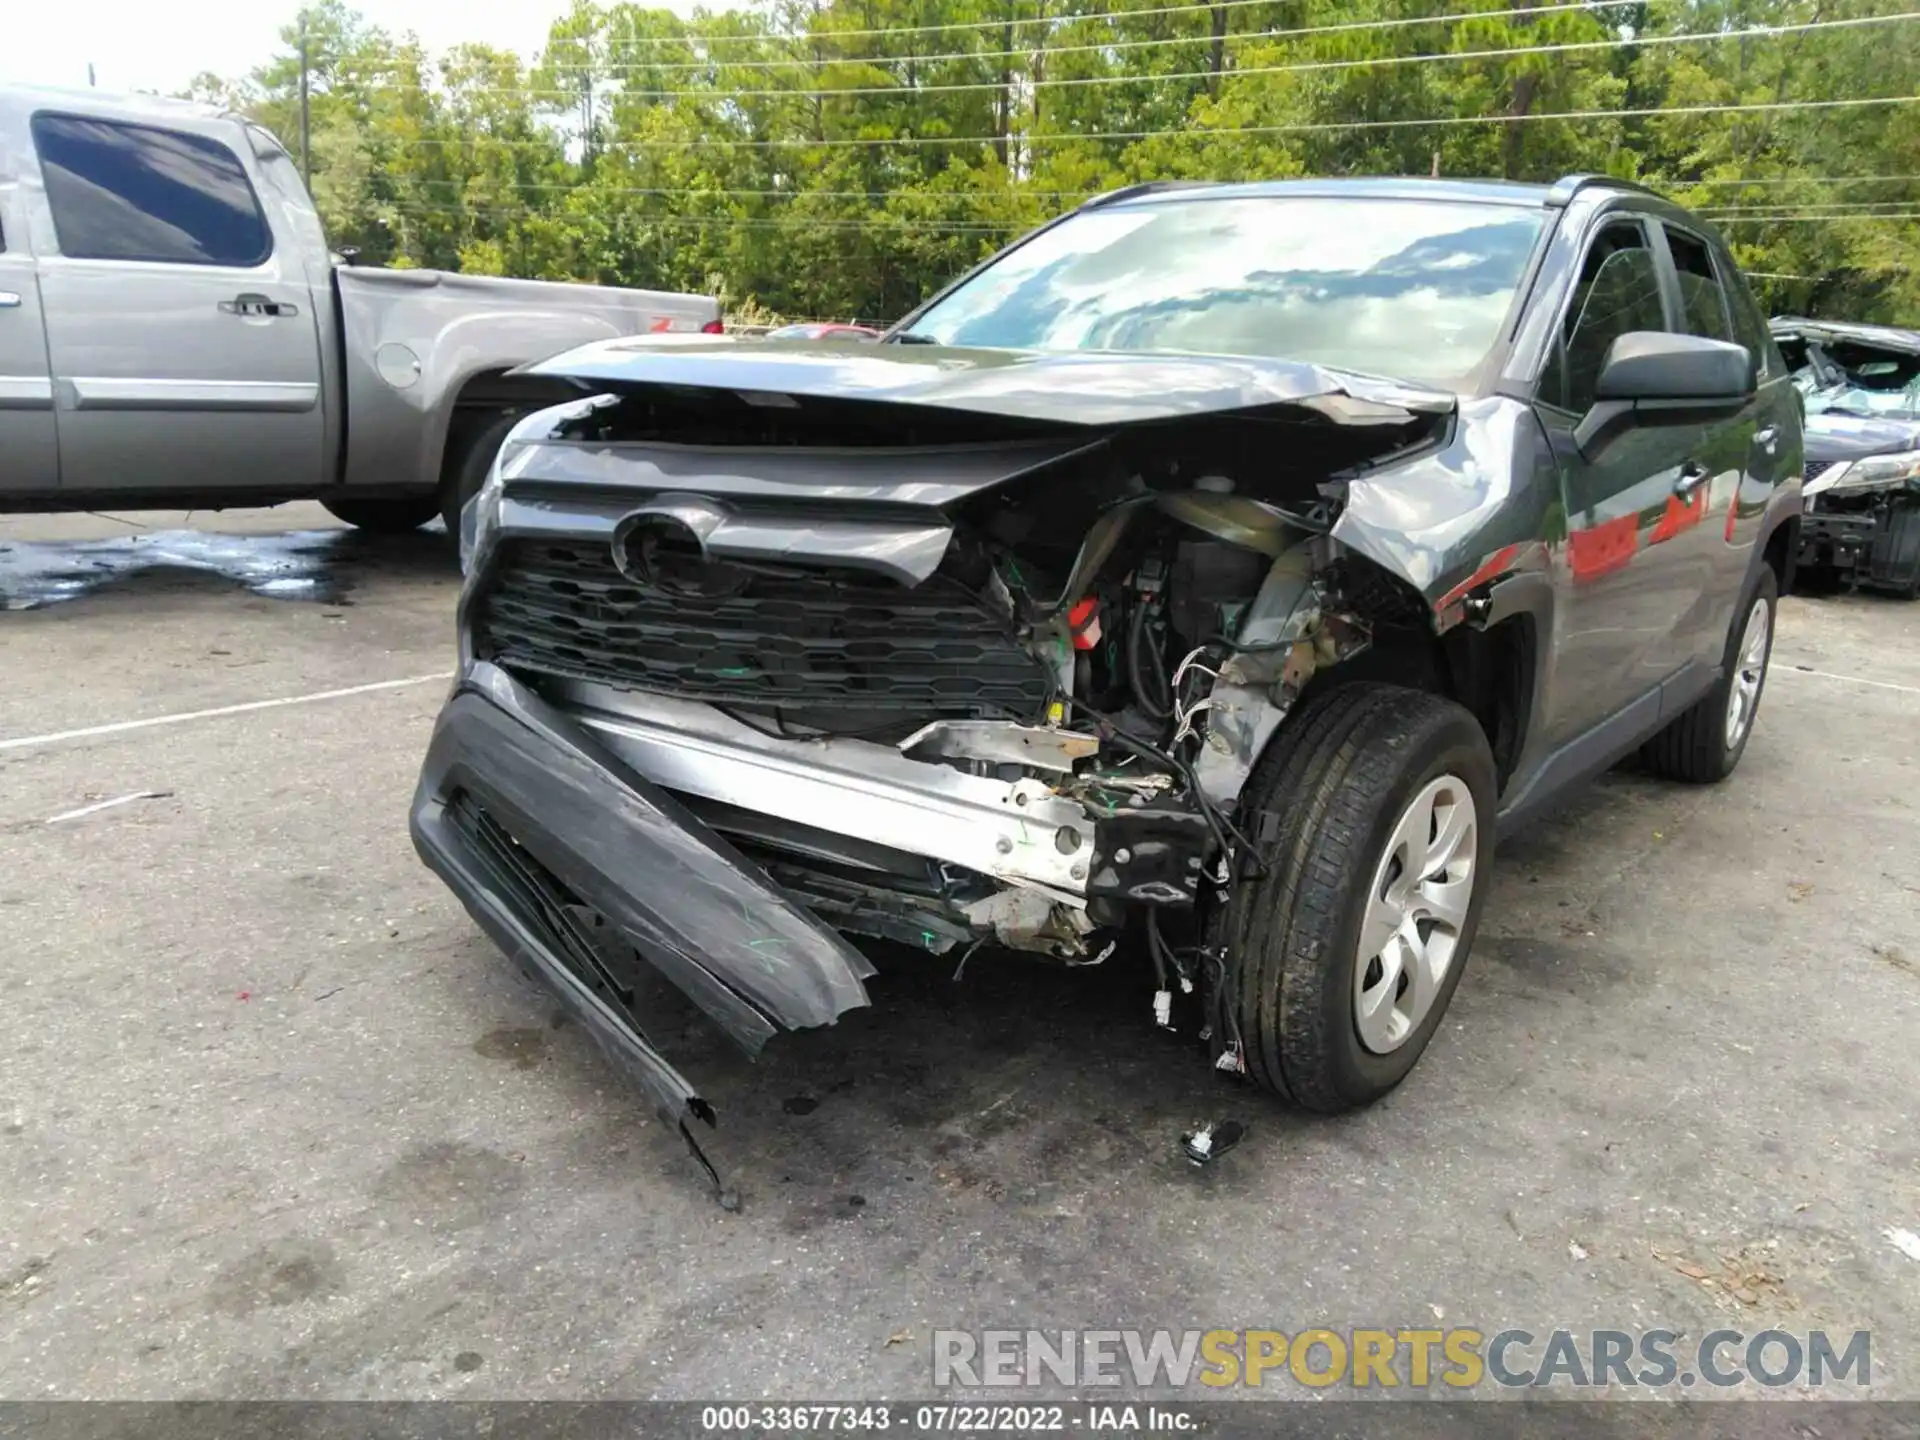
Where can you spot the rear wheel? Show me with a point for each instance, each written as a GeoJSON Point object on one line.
{"type": "Point", "coordinates": [383, 515]}
{"type": "Point", "coordinates": [1374, 815]}
{"type": "Point", "coordinates": [1705, 741]}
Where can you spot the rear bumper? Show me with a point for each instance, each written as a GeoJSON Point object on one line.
{"type": "Point", "coordinates": [535, 825]}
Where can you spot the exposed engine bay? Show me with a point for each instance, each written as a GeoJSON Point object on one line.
{"type": "Point", "coordinates": [1022, 718]}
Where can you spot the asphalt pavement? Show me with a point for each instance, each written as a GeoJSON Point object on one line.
{"type": "Point", "coordinates": [276, 1120]}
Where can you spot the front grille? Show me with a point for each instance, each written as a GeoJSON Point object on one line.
{"type": "Point", "coordinates": [797, 644]}
{"type": "Point", "coordinates": [1816, 468]}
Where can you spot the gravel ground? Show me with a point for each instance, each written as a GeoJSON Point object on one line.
{"type": "Point", "coordinates": [275, 1120]}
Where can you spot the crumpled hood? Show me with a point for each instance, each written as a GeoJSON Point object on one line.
{"type": "Point", "coordinates": [1080, 388]}
{"type": "Point", "coordinates": [1833, 437]}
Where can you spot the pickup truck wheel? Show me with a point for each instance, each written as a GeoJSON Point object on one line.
{"type": "Point", "coordinates": [1373, 810]}
{"type": "Point", "coordinates": [467, 464]}
{"type": "Point", "coordinates": [1705, 741]}
{"type": "Point", "coordinates": [382, 516]}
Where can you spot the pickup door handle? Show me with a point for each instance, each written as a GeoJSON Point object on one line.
{"type": "Point", "coordinates": [1691, 477]}
{"type": "Point", "coordinates": [258, 307]}
{"type": "Point", "coordinates": [1767, 438]}
{"type": "Point", "coordinates": [9, 300]}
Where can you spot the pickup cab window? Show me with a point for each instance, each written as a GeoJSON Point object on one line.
{"type": "Point", "coordinates": [137, 192]}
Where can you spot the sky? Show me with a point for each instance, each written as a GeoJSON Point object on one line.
{"type": "Point", "coordinates": [140, 45]}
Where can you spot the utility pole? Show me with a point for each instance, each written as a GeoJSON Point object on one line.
{"type": "Point", "coordinates": [91, 82]}
{"type": "Point", "coordinates": [306, 119]}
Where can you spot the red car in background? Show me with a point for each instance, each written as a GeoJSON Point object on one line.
{"type": "Point", "coordinates": [823, 330]}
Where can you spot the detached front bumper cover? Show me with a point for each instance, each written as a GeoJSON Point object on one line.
{"type": "Point", "coordinates": [535, 826]}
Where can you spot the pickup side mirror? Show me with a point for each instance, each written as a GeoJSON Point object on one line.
{"type": "Point", "coordinates": [1652, 376]}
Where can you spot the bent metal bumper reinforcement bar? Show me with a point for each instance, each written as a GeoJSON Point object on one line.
{"type": "Point", "coordinates": [1019, 831]}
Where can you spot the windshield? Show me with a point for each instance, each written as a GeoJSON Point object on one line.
{"type": "Point", "coordinates": [1413, 289]}
{"type": "Point", "coordinates": [1853, 400]}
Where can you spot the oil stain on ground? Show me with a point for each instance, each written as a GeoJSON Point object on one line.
{"type": "Point", "coordinates": [310, 565]}
{"type": "Point", "coordinates": [284, 1272]}
{"type": "Point", "coordinates": [521, 1048]}
{"type": "Point", "coordinates": [449, 1185]}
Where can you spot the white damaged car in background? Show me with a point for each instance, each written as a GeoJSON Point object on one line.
{"type": "Point", "coordinates": [1862, 497]}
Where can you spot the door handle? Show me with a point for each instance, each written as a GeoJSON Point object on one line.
{"type": "Point", "coordinates": [249, 307]}
{"type": "Point", "coordinates": [9, 300]}
{"type": "Point", "coordinates": [1691, 477]}
{"type": "Point", "coordinates": [1767, 438]}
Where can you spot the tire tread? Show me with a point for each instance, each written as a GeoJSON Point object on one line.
{"type": "Point", "coordinates": [1318, 793]}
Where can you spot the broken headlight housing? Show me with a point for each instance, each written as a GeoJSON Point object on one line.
{"type": "Point", "coordinates": [1874, 472]}
{"type": "Point", "coordinates": [481, 515]}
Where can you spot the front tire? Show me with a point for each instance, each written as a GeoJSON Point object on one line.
{"type": "Point", "coordinates": [1706, 740]}
{"type": "Point", "coordinates": [384, 516]}
{"type": "Point", "coordinates": [1373, 812]}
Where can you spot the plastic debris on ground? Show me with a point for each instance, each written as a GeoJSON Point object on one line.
{"type": "Point", "coordinates": [1211, 1141]}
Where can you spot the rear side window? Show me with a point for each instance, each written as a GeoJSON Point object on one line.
{"type": "Point", "coordinates": [1702, 303]}
{"type": "Point", "coordinates": [135, 192]}
{"type": "Point", "coordinates": [1750, 329]}
{"type": "Point", "coordinates": [1618, 292]}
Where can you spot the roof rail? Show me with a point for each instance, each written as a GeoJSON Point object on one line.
{"type": "Point", "coordinates": [1567, 186]}
{"type": "Point", "coordinates": [1145, 187]}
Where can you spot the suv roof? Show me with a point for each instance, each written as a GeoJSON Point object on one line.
{"type": "Point", "coordinates": [1478, 192]}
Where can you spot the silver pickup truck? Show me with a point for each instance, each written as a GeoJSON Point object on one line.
{"type": "Point", "coordinates": [175, 331]}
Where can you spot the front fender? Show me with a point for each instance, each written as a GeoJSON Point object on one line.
{"type": "Point", "coordinates": [1454, 520]}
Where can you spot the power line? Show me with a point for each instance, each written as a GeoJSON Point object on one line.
{"type": "Point", "coordinates": [1813, 213]}
{"type": "Point", "coordinates": [883, 224]}
{"type": "Point", "coordinates": [1305, 128]}
{"type": "Point", "coordinates": [1812, 219]}
{"type": "Point", "coordinates": [1795, 180]}
{"type": "Point", "coordinates": [595, 190]}
{"type": "Point", "coordinates": [587, 188]}
{"type": "Point", "coordinates": [1022, 192]}
{"type": "Point", "coordinates": [1341, 27]}
{"type": "Point", "coordinates": [616, 68]}
{"type": "Point", "coordinates": [1299, 67]}
{"type": "Point", "coordinates": [1299, 32]}
{"type": "Point", "coordinates": [1823, 205]}
{"type": "Point", "coordinates": [750, 222]}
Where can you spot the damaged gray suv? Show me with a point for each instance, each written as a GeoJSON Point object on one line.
{"type": "Point", "coordinates": [1218, 571]}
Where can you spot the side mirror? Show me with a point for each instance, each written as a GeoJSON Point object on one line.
{"type": "Point", "coordinates": [1654, 365]}
{"type": "Point", "coordinates": [1652, 376]}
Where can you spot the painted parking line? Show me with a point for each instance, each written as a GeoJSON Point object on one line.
{"type": "Point", "coordinates": [1790, 669]}
{"type": "Point", "coordinates": [26, 742]}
